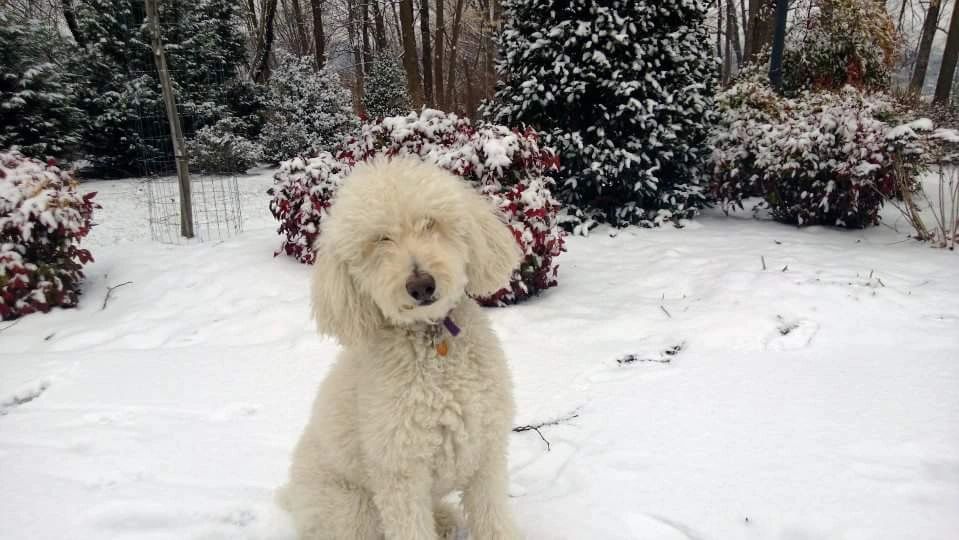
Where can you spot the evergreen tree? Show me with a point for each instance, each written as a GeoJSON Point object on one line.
{"type": "Point", "coordinates": [308, 111]}
{"type": "Point", "coordinates": [116, 82]}
{"type": "Point", "coordinates": [386, 92]}
{"type": "Point", "coordinates": [623, 90]}
{"type": "Point", "coordinates": [36, 109]}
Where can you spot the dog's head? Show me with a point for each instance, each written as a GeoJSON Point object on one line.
{"type": "Point", "coordinates": [403, 242]}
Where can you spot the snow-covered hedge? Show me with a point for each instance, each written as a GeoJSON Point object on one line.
{"type": "Point", "coordinates": [221, 149]}
{"type": "Point", "coordinates": [821, 158]}
{"type": "Point", "coordinates": [306, 111]}
{"type": "Point", "coordinates": [42, 219]}
{"type": "Point", "coordinates": [509, 166]}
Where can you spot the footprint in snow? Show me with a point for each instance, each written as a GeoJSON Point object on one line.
{"type": "Point", "coordinates": [792, 334]}
{"type": "Point", "coordinates": [25, 394]}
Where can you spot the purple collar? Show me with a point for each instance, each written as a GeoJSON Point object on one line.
{"type": "Point", "coordinates": [451, 326]}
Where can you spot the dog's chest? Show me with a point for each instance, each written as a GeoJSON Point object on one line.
{"type": "Point", "coordinates": [451, 409]}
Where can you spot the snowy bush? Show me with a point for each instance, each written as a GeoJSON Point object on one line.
{"type": "Point", "coordinates": [307, 111]}
{"type": "Point", "coordinates": [821, 158]}
{"type": "Point", "coordinates": [623, 91]}
{"type": "Point", "coordinates": [836, 43]}
{"type": "Point", "coordinates": [218, 149]}
{"type": "Point", "coordinates": [36, 109]}
{"type": "Point", "coordinates": [42, 220]}
{"type": "Point", "coordinates": [386, 88]}
{"type": "Point", "coordinates": [509, 166]}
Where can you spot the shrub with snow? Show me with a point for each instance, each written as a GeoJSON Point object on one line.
{"type": "Point", "coordinates": [836, 43]}
{"type": "Point", "coordinates": [36, 105]}
{"type": "Point", "coordinates": [623, 91]}
{"type": "Point", "coordinates": [42, 220]}
{"type": "Point", "coordinates": [821, 158]}
{"type": "Point", "coordinates": [509, 166]}
{"type": "Point", "coordinates": [307, 111]}
{"type": "Point", "coordinates": [219, 149]}
{"type": "Point", "coordinates": [386, 91]}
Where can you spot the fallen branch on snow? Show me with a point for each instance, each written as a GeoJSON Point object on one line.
{"type": "Point", "coordinates": [106, 299]}
{"type": "Point", "coordinates": [554, 422]}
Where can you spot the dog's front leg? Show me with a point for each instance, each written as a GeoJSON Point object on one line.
{"type": "Point", "coordinates": [405, 505]}
{"type": "Point", "coordinates": [486, 500]}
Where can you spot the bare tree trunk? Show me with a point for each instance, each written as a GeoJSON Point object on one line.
{"type": "Point", "coordinates": [728, 56]}
{"type": "Point", "coordinates": [176, 129]}
{"type": "Point", "coordinates": [70, 14]}
{"type": "Point", "coordinates": [949, 57]}
{"type": "Point", "coordinates": [410, 63]}
{"type": "Point", "coordinates": [252, 26]}
{"type": "Point", "coordinates": [929, 28]}
{"type": "Point", "coordinates": [719, 30]}
{"type": "Point", "coordinates": [745, 19]}
{"type": "Point", "coordinates": [358, 74]}
{"type": "Point", "coordinates": [303, 45]}
{"type": "Point", "coordinates": [427, 52]}
{"type": "Point", "coordinates": [379, 32]}
{"type": "Point", "coordinates": [759, 33]}
{"type": "Point", "coordinates": [490, 71]}
{"type": "Point", "coordinates": [397, 26]}
{"type": "Point", "coordinates": [261, 67]}
{"type": "Point", "coordinates": [439, 45]}
{"type": "Point", "coordinates": [367, 46]}
{"type": "Point", "coordinates": [902, 14]}
{"type": "Point", "coordinates": [454, 51]}
{"type": "Point", "coordinates": [319, 39]}
{"type": "Point", "coordinates": [469, 104]}
{"type": "Point", "coordinates": [732, 28]}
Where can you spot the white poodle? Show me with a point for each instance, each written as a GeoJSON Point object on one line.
{"type": "Point", "coordinates": [419, 403]}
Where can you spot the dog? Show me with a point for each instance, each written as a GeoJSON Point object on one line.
{"type": "Point", "coordinates": [418, 404]}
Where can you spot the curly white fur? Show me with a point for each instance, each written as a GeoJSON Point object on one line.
{"type": "Point", "coordinates": [396, 426]}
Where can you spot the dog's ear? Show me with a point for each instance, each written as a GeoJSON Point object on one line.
{"type": "Point", "coordinates": [339, 308]}
{"type": "Point", "coordinates": [494, 253]}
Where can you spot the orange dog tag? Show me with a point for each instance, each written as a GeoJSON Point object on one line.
{"type": "Point", "coordinates": [442, 348]}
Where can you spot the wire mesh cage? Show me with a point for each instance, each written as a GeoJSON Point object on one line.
{"type": "Point", "coordinates": [215, 198]}
{"type": "Point", "coordinates": [217, 212]}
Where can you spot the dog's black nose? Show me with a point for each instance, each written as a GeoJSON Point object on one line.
{"type": "Point", "coordinates": [421, 287]}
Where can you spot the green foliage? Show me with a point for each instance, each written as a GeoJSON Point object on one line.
{"type": "Point", "coordinates": [386, 89]}
{"type": "Point", "coordinates": [623, 91]}
{"type": "Point", "coordinates": [839, 43]}
{"type": "Point", "coordinates": [36, 106]}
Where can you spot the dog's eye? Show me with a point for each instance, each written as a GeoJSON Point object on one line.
{"type": "Point", "coordinates": [384, 240]}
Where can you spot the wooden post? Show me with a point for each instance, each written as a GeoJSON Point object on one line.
{"type": "Point", "coordinates": [176, 131]}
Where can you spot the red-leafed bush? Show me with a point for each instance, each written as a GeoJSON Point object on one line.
{"type": "Point", "coordinates": [507, 165]}
{"type": "Point", "coordinates": [42, 219]}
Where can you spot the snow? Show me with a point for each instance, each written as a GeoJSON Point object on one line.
{"type": "Point", "coordinates": [813, 399]}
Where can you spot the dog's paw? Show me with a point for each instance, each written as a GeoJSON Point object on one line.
{"type": "Point", "coordinates": [449, 521]}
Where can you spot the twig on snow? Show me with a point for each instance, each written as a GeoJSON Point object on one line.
{"type": "Point", "coordinates": [763, 259]}
{"type": "Point", "coordinates": [664, 311]}
{"type": "Point", "coordinates": [11, 325]}
{"type": "Point", "coordinates": [106, 299]}
{"type": "Point", "coordinates": [554, 422]}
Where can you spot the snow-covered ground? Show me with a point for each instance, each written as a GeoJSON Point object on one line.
{"type": "Point", "coordinates": [815, 399]}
